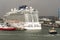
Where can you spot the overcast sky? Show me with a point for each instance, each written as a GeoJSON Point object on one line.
{"type": "Point", "coordinates": [45, 7]}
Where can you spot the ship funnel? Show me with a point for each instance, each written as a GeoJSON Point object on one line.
{"type": "Point", "coordinates": [12, 10]}
{"type": "Point", "coordinates": [31, 9]}
{"type": "Point", "coordinates": [23, 7]}
{"type": "Point", "coordinates": [26, 7]}
{"type": "Point", "coordinates": [15, 9]}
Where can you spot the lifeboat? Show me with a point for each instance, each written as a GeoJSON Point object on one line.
{"type": "Point", "coordinates": [52, 31]}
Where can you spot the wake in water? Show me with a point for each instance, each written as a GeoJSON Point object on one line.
{"type": "Point", "coordinates": [50, 35]}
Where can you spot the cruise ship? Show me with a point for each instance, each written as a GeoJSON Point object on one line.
{"type": "Point", "coordinates": [31, 21]}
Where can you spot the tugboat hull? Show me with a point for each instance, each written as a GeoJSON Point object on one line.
{"type": "Point", "coordinates": [52, 32]}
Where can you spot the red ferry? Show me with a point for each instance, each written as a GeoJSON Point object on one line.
{"type": "Point", "coordinates": [4, 27]}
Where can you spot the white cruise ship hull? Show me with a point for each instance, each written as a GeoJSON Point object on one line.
{"type": "Point", "coordinates": [32, 26]}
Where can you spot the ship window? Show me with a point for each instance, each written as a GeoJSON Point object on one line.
{"type": "Point", "coordinates": [30, 18]}
{"type": "Point", "coordinates": [30, 26]}
{"type": "Point", "coordinates": [36, 25]}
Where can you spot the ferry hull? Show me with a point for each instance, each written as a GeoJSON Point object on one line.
{"type": "Point", "coordinates": [8, 29]}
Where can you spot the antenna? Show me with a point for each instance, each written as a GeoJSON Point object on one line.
{"type": "Point", "coordinates": [58, 13]}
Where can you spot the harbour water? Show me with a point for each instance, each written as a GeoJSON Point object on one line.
{"type": "Point", "coordinates": [30, 35]}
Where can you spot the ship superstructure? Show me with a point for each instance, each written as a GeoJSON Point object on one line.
{"type": "Point", "coordinates": [31, 20]}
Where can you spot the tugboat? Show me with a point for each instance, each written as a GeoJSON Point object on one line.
{"type": "Point", "coordinates": [52, 31]}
